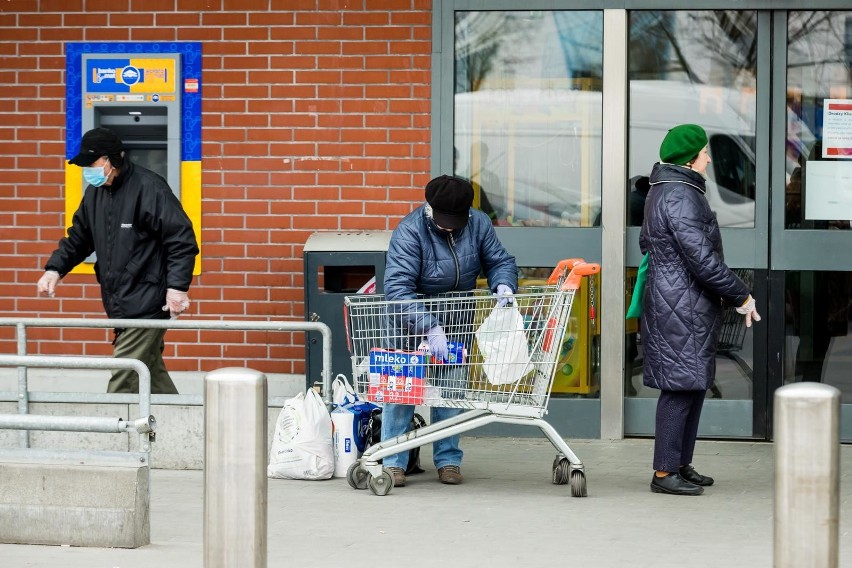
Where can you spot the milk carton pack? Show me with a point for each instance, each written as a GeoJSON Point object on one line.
{"type": "Point", "coordinates": [397, 377]}
{"type": "Point", "coordinates": [456, 354]}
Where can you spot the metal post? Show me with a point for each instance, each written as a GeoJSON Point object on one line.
{"type": "Point", "coordinates": [613, 220]}
{"type": "Point", "coordinates": [807, 476]}
{"type": "Point", "coordinates": [235, 483]}
{"type": "Point", "coordinates": [23, 388]}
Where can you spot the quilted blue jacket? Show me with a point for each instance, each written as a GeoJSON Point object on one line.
{"type": "Point", "coordinates": [687, 281]}
{"type": "Point", "coordinates": [422, 259]}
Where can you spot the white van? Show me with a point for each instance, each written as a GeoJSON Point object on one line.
{"type": "Point", "coordinates": [727, 115]}
{"type": "Point", "coordinates": [545, 146]}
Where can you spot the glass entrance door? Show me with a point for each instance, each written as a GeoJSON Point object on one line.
{"type": "Point", "coordinates": [707, 67]}
{"type": "Point", "coordinates": [811, 241]}
{"type": "Point", "coordinates": [522, 111]}
{"type": "Point", "coordinates": [778, 114]}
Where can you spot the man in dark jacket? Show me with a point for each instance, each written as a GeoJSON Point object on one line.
{"type": "Point", "coordinates": [145, 248]}
{"type": "Point", "coordinates": [687, 281]}
{"type": "Point", "coordinates": [442, 246]}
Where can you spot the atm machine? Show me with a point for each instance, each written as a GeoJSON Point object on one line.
{"type": "Point", "coordinates": [136, 96]}
{"type": "Point", "coordinates": [148, 94]}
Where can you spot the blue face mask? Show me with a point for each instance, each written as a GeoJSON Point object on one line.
{"type": "Point", "coordinates": [96, 176]}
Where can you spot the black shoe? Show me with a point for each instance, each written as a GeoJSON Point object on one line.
{"type": "Point", "coordinates": [688, 473]}
{"type": "Point", "coordinates": [674, 484]}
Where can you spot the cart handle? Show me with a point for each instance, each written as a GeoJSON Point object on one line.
{"type": "Point", "coordinates": [577, 273]}
{"type": "Point", "coordinates": [346, 323]}
{"type": "Point", "coordinates": [563, 268]}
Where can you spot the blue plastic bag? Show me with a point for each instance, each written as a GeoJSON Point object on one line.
{"type": "Point", "coordinates": [344, 398]}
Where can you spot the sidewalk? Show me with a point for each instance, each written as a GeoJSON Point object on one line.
{"type": "Point", "coordinates": [506, 514]}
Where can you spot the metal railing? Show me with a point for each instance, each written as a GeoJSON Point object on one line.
{"type": "Point", "coordinates": [144, 425]}
{"type": "Point", "coordinates": [23, 396]}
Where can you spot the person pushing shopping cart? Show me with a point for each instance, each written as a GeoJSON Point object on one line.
{"type": "Point", "coordinates": [433, 339]}
{"type": "Point", "coordinates": [442, 246]}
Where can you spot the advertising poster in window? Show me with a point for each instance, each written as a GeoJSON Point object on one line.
{"type": "Point", "coordinates": [837, 129]}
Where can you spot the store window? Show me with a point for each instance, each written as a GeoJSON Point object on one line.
{"type": "Point", "coordinates": [527, 124]}
{"type": "Point", "coordinates": [695, 67]}
{"type": "Point", "coordinates": [577, 372]}
{"type": "Point", "coordinates": [818, 346]}
{"type": "Point", "coordinates": [819, 135]}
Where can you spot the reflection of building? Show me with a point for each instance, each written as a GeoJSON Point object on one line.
{"type": "Point", "coordinates": [548, 148]}
{"type": "Point", "coordinates": [513, 94]}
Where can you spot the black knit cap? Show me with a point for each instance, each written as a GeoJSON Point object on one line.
{"type": "Point", "coordinates": [96, 143]}
{"type": "Point", "coordinates": [450, 198]}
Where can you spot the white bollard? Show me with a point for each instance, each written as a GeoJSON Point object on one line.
{"type": "Point", "coordinates": [235, 483]}
{"type": "Point", "coordinates": [807, 476]}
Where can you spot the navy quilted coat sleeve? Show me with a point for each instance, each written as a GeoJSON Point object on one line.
{"type": "Point", "coordinates": [422, 259]}
{"type": "Point", "coordinates": [687, 282]}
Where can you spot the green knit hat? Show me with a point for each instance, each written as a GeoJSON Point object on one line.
{"type": "Point", "coordinates": [682, 144]}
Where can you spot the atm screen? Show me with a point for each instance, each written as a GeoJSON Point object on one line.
{"type": "Point", "coordinates": [155, 159]}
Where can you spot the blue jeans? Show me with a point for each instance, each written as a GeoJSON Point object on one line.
{"type": "Point", "coordinates": [396, 418]}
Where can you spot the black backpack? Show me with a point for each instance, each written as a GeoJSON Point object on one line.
{"type": "Point", "coordinates": [374, 436]}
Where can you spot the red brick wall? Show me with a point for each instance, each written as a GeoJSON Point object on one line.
{"type": "Point", "coordinates": [315, 116]}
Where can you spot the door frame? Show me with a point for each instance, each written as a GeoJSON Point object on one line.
{"type": "Point", "coordinates": [614, 244]}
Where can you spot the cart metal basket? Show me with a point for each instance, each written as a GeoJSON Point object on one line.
{"type": "Point", "coordinates": [500, 367]}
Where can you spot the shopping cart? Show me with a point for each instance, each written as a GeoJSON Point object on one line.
{"type": "Point", "coordinates": [500, 367]}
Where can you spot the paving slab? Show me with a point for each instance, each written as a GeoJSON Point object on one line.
{"type": "Point", "coordinates": [506, 514]}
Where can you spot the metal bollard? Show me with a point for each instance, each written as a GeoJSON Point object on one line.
{"type": "Point", "coordinates": [807, 476]}
{"type": "Point", "coordinates": [235, 484]}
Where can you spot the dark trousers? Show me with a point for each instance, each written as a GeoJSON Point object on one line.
{"type": "Point", "coordinates": [678, 413]}
{"type": "Point", "coordinates": [147, 346]}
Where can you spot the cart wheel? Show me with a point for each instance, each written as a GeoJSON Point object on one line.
{"type": "Point", "coordinates": [561, 470]}
{"type": "Point", "coordinates": [357, 476]}
{"type": "Point", "coordinates": [382, 484]}
{"type": "Point", "coordinates": [578, 483]}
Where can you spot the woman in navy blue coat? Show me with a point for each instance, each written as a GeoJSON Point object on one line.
{"type": "Point", "coordinates": [687, 284]}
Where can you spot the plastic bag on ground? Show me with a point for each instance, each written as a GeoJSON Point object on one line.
{"type": "Point", "coordinates": [302, 444]}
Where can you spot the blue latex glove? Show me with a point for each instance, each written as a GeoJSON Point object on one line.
{"type": "Point", "coordinates": [437, 342]}
{"type": "Point", "coordinates": [504, 296]}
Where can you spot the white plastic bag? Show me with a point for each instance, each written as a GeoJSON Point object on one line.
{"type": "Point", "coordinates": [302, 445]}
{"type": "Point", "coordinates": [503, 345]}
{"type": "Point", "coordinates": [342, 392]}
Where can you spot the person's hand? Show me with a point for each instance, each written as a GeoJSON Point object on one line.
{"type": "Point", "coordinates": [504, 296]}
{"type": "Point", "coordinates": [176, 302]}
{"type": "Point", "coordinates": [437, 342]}
{"type": "Point", "coordinates": [47, 283]}
{"type": "Point", "coordinates": [749, 310]}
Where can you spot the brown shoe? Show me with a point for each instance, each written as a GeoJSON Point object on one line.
{"type": "Point", "coordinates": [398, 476]}
{"type": "Point", "coordinates": [451, 475]}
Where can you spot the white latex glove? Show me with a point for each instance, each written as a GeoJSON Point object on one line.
{"type": "Point", "coordinates": [749, 310]}
{"type": "Point", "coordinates": [504, 296]}
{"type": "Point", "coordinates": [47, 283]}
{"type": "Point", "coordinates": [437, 342]}
{"type": "Point", "coordinates": [176, 302]}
